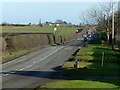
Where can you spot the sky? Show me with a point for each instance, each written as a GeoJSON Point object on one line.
{"type": "Point", "coordinates": [31, 12]}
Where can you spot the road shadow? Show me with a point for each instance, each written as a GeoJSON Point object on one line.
{"type": "Point", "coordinates": [77, 43]}
{"type": "Point", "coordinates": [60, 74]}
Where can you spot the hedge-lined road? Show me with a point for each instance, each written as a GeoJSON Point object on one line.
{"type": "Point", "coordinates": [31, 70]}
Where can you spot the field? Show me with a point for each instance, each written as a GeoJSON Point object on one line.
{"type": "Point", "coordinates": [37, 29]}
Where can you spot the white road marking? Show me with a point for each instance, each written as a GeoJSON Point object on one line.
{"type": "Point", "coordinates": [6, 74]}
{"type": "Point", "coordinates": [52, 53]}
{"type": "Point", "coordinates": [13, 61]}
{"type": "Point", "coordinates": [42, 58]}
{"type": "Point", "coordinates": [17, 61]}
{"type": "Point", "coordinates": [68, 48]}
{"type": "Point", "coordinates": [12, 72]}
{"type": "Point", "coordinates": [21, 69]}
{"type": "Point", "coordinates": [36, 62]}
{"type": "Point", "coordinates": [24, 68]}
{"type": "Point", "coordinates": [28, 66]}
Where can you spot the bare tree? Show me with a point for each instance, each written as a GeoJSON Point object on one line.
{"type": "Point", "coordinates": [100, 15]}
{"type": "Point", "coordinates": [85, 18]}
{"type": "Point", "coordinates": [107, 11]}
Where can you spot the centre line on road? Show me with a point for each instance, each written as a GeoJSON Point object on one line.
{"type": "Point", "coordinates": [52, 53]}
{"type": "Point", "coordinates": [28, 66]}
{"type": "Point", "coordinates": [40, 59]}
{"type": "Point", "coordinates": [21, 69]}
{"type": "Point", "coordinates": [25, 68]}
{"type": "Point", "coordinates": [12, 72]}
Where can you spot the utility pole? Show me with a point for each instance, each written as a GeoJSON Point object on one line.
{"type": "Point", "coordinates": [40, 23]}
{"type": "Point", "coordinates": [113, 36]}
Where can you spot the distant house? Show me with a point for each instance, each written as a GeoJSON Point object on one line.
{"type": "Point", "coordinates": [48, 23]}
{"type": "Point", "coordinates": [57, 24]}
{"type": "Point", "coordinates": [60, 23]}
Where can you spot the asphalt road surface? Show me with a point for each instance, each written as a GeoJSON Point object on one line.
{"type": "Point", "coordinates": [36, 68]}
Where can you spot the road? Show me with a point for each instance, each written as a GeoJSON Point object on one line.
{"type": "Point", "coordinates": [35, 68]}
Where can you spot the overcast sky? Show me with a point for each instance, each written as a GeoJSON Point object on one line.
{"type": "Point", "coordinates": [31, 12]}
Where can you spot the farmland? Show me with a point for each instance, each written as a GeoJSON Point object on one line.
{"type": "Point", "coordinates": [37, 29]}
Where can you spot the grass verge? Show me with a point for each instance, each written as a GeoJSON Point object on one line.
{"type": "Point", "coordinates": [81, 84]}
{"type": "Point", "coordinates": [94, 53]}
{"type": "Point", "coordinates": [15, 54]}
{"type": "Point", "coordinates": [8, 57]}
{"type": "Point", "coordinates": [88, 69]}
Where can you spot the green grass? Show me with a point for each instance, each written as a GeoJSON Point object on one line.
{"type": "Point", "coordinates": [69, 65]}
{"type": "Point", "coordinates": [65, 30]}
{"type": "Point", "coordinates": [94, 53]}
{"type": "Point", "coordinates": [26, 29]}
{"type": "Point", "coordinates": [7, 57]}
{"type": "Point", "coordinates": [15, 54]}
{"type": "Point", "coordinates": [80, 84]}
{"type": "Point", "coordinates": [88, 69]}
{"type": "Point", "coordinates": [37, 29]}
